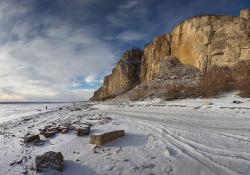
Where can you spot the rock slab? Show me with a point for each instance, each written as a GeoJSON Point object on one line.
{"type": "Point", "coordinates": [104, 138]}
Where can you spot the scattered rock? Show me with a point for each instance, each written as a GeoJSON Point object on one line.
{"type": "Point", "coordinates": [25, 172]}
{"type": "Point", "coordinates": [54, 129]}
{"type": "Point", "coordinates": [237, 101]}
{"type": "Point", "coordinates": [32, 168]}
{"type": "Point", "coordinates": [49, 131]}
{"type": "Point", "coordinates": [26, 119]}
{"type": "Point", "coordinates": [148, 166]}
{"type": "Point", "coordinates": [105, 120]}
{"type": "Point", "coordinates": [16, 162]}
{"type": "Point", "coordinates": [106, 137]}
{"type": "Point", "coordinates": [49, 159]}
{"type": "Point", "coordinates": [197, 107]}
{"type": "Point", "coordinates": [48, 134]}
{"type": "Point", "coordinates": [64, 131]}
{"type": "Point", "coordinates": [76, 109]}
{"type": "Point", "coordinates": [31, 138]}
{"type": "Point", "coordinates": [72, 127]}
{"type": "Point", "coordinates": [60, 108]}
{"type": "Point", "coordinates": [82, 131]}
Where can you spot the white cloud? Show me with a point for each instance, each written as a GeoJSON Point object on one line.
{"type": "Point", "coordinates": [41, 68]}
{"type": "Point", "coordinates": [128, 36]}
{"type": "Point", "coordinates": [90, 79]}
{"type": "Point", "coordinates": [129, 4]}
{"type": "Point", "coordinates": [128, 14]}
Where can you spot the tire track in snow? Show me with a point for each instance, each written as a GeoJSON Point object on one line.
{"type": "Point", "coordinates": [176, 118]}
{"type": "Point", "coordinates": [192, 153]}
{"type": "Point", "coordinates": [234, 136]}
{"type": "Point", "coordinates": [190, 147]}
{"type": "Point", "coordinates": [215, 151]}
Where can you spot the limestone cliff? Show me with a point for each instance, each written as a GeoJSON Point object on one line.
{"type": "Point", "coordinates": [124, 76]}
{"type": "Point", "coordinates": [201, 42]}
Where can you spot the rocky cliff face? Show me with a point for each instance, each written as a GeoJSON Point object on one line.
{"type": "Point", "coordinates": [124, 76]}
{"type": "Point", "coordinates": [201, 41]}
{"type": "Point", "coordinates": [212, 40]}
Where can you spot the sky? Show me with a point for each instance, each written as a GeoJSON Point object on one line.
{"type": "Point", "coordinates": [60, 50]}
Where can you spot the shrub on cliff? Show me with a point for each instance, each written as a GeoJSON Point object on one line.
{"type": "Point", "coordinates": [134, 53]}
{"type": "Point", "coordinates": [244, 85]}
{"type": "Point", "coordinates": [215, 80]}
{"type": "Point", "coordinates": [180, 91]}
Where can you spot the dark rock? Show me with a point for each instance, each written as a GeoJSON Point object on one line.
{"type": "Point", "coordinates": [16, 162]}
{"type": "Point", "coordinates": [49, 131]}
{"type": "Point", "coordinates": [54, 129]}
{"type": "Point", "coordinates": [48, 134]}
{"type": "Point", "coordinates": [82, 131]}
{"type": "Point", "coordinates": [49, 159]}
{"type": "Point", "coordinates": [78, 109]}
{"type": "Point", "coordinates": [26, 119]}
{"type": "Point", "coordinates": [31, 138]}
{"type": "Point", "coordinates": [72, 127]}
{"type": "Point", "coordinates": [237, 101]}
{"type": "Point", "coordinates": [64, 131]}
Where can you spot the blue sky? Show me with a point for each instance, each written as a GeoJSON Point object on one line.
{"type": "Point", "coordinates": [60, 50]}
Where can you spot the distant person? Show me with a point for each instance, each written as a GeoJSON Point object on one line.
{"type": "Point", "coordinates": [46, 108]}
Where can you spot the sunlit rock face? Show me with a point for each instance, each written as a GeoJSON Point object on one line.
{"type": "Point", "coordinates": [153, 54]}
{"type": "Point", "coordinates": [201, 42]}
{"type": "Point", "coordinates": [124, 76]}
{"type": "Point", "coordinates": [212, 40]}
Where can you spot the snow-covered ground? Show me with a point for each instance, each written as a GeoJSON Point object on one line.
{"type": "Point", "coordinates": [191, 136]}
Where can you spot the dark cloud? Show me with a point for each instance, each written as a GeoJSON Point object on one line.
{"type": "Point", "coordinates": [46, 45]}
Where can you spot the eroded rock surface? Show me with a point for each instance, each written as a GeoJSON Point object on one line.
{"type": "Point", "coordinates": [101, 139]}
{"type": "Point", "coordinates": [201, 42]}
{"type": "Point", "coordinates": [124, 77]}
{"type": "Point", "coordinates": [49, 159]}
{"type": "Point", "coordinates": [29, 138]}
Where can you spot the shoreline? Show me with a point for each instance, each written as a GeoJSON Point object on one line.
{"type": "Point", "coordinates": [160, 137]}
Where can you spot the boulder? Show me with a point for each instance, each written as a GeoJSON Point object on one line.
{"type": "Point", "coordinates": [54, 129]}
{"type": "Point", "coordinates": [49, 159]}
{"type": "Point", "coordinates": [82, 131]}
{"type": "Point", "coordinates": [31, 138]}
{"type": "Point", "coordinates": [49, 131]}
{"type": "Point", "coordinates": [48, 134]}
{"type": "Point", "coordinates": [101, 139]}
{"type": "Point", "coordinates": [64, 130]}
{"type": "Point", "coordinates": [237, 101]}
